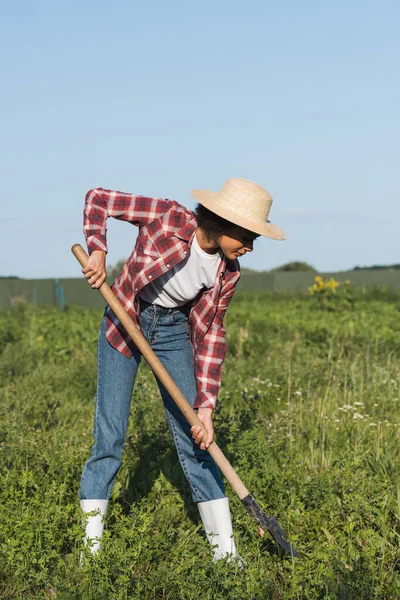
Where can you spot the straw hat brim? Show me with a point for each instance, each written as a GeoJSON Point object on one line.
{"type": "Point", "coordinates": [210, 200]}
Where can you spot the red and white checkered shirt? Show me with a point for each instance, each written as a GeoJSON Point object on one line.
{"type": "Point", "coordinates": [166, 230]}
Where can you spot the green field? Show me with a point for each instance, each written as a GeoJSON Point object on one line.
{"type": "Point", "coordinates": [309, 416]}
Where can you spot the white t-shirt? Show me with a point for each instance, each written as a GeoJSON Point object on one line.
{"type": "Point", "coordinates": [183, 282]}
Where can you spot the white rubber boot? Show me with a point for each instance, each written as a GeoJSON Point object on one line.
{"type": "Point", "coordinates": [216, 518]}
{"type": "Point", "coordinates": [94, 523]}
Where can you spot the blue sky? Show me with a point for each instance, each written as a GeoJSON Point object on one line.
{"type": "Point", "coordinates": [157, 98]}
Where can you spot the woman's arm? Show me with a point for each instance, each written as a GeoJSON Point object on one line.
{"type": "Point", "coordinates": [95, 270]}
{"type": "Point", "coordinates": [101, 204]}
{"type": "Point", "coordinates": [209, 356]}
{"type": "Point", "coordinates": [210, 352]}
{"type": "Point", "coordinates": [205, 415]}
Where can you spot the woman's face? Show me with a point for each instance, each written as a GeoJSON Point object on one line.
{"type": "Point", "coordinates": [236, 241]}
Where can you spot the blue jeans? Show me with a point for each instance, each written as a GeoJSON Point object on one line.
{"type": "Point", "coordinates": [167, 332]}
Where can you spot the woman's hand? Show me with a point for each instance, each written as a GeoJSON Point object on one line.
{"type": "Point", "coordinates": [205, 415]}
{"type": "Point", "coordinates": [95, 270]}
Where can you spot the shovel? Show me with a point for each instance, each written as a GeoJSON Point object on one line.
{"type": "Point", "coordinates": [266, 522]}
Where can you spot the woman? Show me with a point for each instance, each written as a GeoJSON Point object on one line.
{"type": "Point", "coordinates": [176, 285]}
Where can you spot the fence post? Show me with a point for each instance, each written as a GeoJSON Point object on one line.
{"type": "Point", "coordinates": [59, 293]}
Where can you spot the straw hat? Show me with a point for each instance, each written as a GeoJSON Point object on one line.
{"type": "Point", "coordinates": [243, 203]}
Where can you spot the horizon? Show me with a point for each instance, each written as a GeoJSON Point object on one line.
{"type": "Point", "coordinates": [394, 266]}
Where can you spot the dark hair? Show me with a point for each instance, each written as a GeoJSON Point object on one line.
{"type": "Point", "coordinates": [211, 224]}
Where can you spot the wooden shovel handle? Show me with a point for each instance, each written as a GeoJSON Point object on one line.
{"type": "Point", "coordinates": [163, 375]}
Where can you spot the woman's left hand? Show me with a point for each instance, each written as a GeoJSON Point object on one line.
{"type": "Point", "coordinates": [205, 415]}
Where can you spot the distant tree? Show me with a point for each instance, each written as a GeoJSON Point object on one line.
{"type": "Point", "coordinates": [116, 269]}
{"type": "Point", "coordinates": [377, 267]}
{"type": "Point", "coordinates": [296, 266]}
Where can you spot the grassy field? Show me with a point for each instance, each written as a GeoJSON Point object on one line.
{"type": "Point", "coordinates": [309, 416]}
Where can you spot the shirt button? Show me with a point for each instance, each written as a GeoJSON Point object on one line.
{"type": "Point", "coordinates": [150, 276]}
{"type": "Point", "coordinates": [168, 265]}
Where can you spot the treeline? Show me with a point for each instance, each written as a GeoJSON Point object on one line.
{"type": "Point", "coordinates": [115, 270]}
{"type": "Point", "coordinates": [303, 266]}
{"type": "Point", "coordinates": [377, 267]}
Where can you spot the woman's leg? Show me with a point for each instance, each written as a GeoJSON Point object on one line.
{"type": "Point", "coordinates": [169, 338]}
{"type": "Point", "coordinates": [170, 341]}
{"type": "Point", "coordinates": [116, 376]}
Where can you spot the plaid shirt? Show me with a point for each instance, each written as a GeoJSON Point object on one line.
{"type": "Point", "coordinates": [166, 231]}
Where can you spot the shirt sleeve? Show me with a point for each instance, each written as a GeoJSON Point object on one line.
{"type": "Point", "coordinates": [101, 204]}
{"type": "Point", "coordinates": [210, 354]}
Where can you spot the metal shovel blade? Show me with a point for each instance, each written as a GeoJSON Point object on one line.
{"type": "Point", "coordinates": [269, 524]}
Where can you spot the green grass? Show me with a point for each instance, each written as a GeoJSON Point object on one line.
{"type": "Point", "coordinates": [308, 415]}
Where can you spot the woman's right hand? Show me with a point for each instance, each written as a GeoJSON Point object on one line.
{"type": "Point", "coordinates": [95, 270]}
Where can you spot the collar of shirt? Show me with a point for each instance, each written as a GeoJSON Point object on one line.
{"type": "Point", "coordinates": [187, 232]}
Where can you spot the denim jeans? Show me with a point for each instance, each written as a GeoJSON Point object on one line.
{"type": "Point", "coordinates": [167, 332]}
